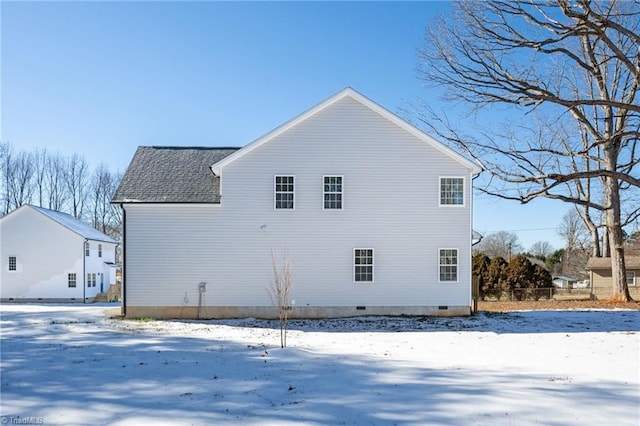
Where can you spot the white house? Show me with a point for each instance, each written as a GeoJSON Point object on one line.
{"type": "Point", "coordinates": [375, 215]}
{"type": "Point", "coordinates": [51, 256]}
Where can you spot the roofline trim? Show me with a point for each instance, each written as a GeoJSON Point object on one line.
{"type": "Point", "coordinates": [346, 92]}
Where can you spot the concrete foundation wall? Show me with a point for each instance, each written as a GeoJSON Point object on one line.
{"type": "Point", "coordinates": [264, 312]}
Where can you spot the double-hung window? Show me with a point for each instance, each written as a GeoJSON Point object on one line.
{"type": "Point", "coordinates": [99, 250]}
{"type": "Point", "coordinates": [13, 263]}
{"type": "Point", "coordinates": [87, 248]}
{"type": "Point", "coordinates": [448, 265]}
{"type": "Point", "coordinates": [631, 278]}
{"type": "Point", "coordinates": [452, 191]}
{"type": "Point", "coordinates": [332, 188]}
{"type": "Point", "coordinates": [72, 280]}
{"type": "Point", "coordinates": [284, 192]}
{"type": "Point", "coordinates": [363, 265]}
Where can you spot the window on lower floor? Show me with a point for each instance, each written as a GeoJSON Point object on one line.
{"type": "Point", "coordinates": [363, 265]}
{"type": "Point", "coordinates": [284, 192]}
{"type": "Point", "coordinates": [93, 282]}
{"type": "Point", "coordinates": [332, 188]}
{"type": "Point", "coordinates": [88, 280]}
{"type": "Point", "coordinates": [72, 280]}
{"type": "Point", "coordinates": [13, 263]}
{"type": "Point", "coordinates": [631, 278]}
{"type": "Point", "coordinates": [449, 265]}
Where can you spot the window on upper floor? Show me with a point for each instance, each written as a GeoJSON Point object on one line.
{"type": "Point", "coordinates": [72, 280]}
{"type": "Point", "coordinates": [332, 188]}
{"type": "Point", "coordinates": [13, 263]}
{"type": "Point", "coordinates": [448, 265]}
{"type": "Point", "coordinates": [284, 192]}
{"type": "Point", "coordinates": [451, 191]}
{"type": "Point", "coordinates": [631, 278]}
{"type": "Point", "coordinates": [363, 265]}
{"type": "Point", "coordinates": [99, 250]}
{"type": "Point", "coordinates": [87, 248]}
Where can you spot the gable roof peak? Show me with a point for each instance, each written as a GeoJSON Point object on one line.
{"type": "Point", "coordinates": [217, 167]}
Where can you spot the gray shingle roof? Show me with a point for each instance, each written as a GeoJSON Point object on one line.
{"type": "Point", "coordinates": [75, 225]}
{"type": "Point", "coordinates": [631, 262]}
{"type": "Point", "coordinates": [161, 174]}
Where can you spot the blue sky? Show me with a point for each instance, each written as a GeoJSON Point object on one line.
{"type": "Point", "coordinates": [101, 78]}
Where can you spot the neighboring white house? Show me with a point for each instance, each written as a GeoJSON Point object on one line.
{"type": "Point", "coordinates": [375, 215]}
{"type": "Point", "coordinates": [51, 256]}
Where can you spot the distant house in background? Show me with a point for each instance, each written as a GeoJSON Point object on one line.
{"type": "Point", "coordinates": [564, 282]}
{"type": "Point", "coordinates": [601, 277]}
{"type": "Point", "coordinates": [52, 256]}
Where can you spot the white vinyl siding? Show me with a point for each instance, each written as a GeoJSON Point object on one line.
{"type": "Point", "coordinates": [393, 195]}
{"type": "Point", "coordinates": [452, 191]}
{"type": "Point", "coordinates": [363, 265]}
{"type": "Point", "coordinates": [332, 192]}
{"type": "Point", "coordinates": [284, 192]}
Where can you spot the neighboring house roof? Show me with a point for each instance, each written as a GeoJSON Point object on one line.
{"type": "Point", "coordinates": [631, 262]}
{"type": "Point", "coordinates": [73, 224]}
{"type": "Point", "coordinates": [160, 174]}
{"type": "Point", "coordinates": [347, 92]}
{"type": "Point", "coordinates": [563, 278]}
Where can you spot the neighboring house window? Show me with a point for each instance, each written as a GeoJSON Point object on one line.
{"type": "Point", "coordinates": [448, 264]}
{"type": "Point", "coordinates": [13, 263]}
{"type": "Point", "coordinates": [99, 250]}
{"type": "Point", "coordinates": [88, 280]}
{"type": "Point", "coordinates": [363, 265]}
{"type": "Point", "coordinates": [86, 248]}
{"type": "Point", "coordinates": [451, 191]}
{"type": "Point", "coordinates": [93, 277]}
{"type": "Point", "coordinates": [284, 192]}
{"type": "Point", "coordinates": [332, 192]}
{"type": "Point", "coordinates": [631, 278]}
{"type": "Point", "coordinates": [72, 280]}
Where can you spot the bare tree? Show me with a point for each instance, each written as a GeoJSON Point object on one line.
{"type": "Point", "coordinates": [20, 170]}
{"type": "Point", "coordinates": [573, 63]}
{"type": "Point", "coordinates": [55, 181]}
{"type": "Point", "coordinates": [280, 291]}
{"type": "Point", "coordinates": [541, 249]}
{"type": "Point", "coordinates": [40, 160]}
{"type": "Point", "coordinates": [103, 185]}
{"type": "Point", "coordinates": [500, 244]}
{"type": "Point", "coordinates": [573, 230]}
{"type": "Point", "coordinates": [76, 178]}
{"type": "Point", "coordinates": [6, 152]}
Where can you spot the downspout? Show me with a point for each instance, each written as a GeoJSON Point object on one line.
{"type": "Point", "coordinates": [124, 260]}
{"type": "Point", "coordinates": [84, 271]}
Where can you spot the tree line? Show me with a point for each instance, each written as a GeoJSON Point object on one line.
{"type": "Point", "coordinates": [519, 277]}
{"type": "Point", "coordinates": [62, 183]}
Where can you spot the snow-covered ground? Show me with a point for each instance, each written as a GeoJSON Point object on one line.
{"type": "Point", "coordinates": [70, 364]}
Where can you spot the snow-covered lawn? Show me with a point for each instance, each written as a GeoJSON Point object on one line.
{"type": "Point", "coordinates": [70, 364]}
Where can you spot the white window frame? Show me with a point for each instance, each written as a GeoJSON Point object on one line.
{"type": "Point", "coordinates": [93, 280]}
{"type": "Point", "coordinates": [464, 185]}
{"type": "Point", "coordinates": [457, 265]}
{"type": "Point", "coordinates": [275, 192]}
{"type": "Point", "coordinates": [15, 264]}
{"type": "Point", "coordinates": [325, 192]}
{"type": "Point", "coordinates": [99, 250]}
{"type": "Point", "coordinates": [72, 278]}
{"type": "Point", "coordinates": [87, 249]}
{"type": "Point", "coordinates": [634, 279]}
{"type": "Point", "coordinates": [88, 279]}
{"type": "Point", "coordinates": [373, 263]}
